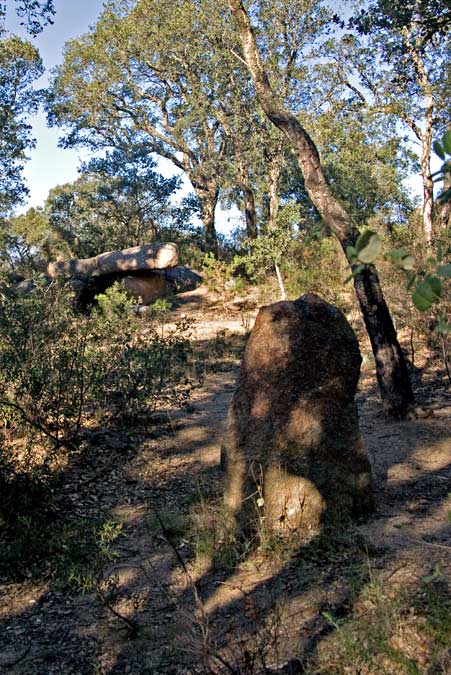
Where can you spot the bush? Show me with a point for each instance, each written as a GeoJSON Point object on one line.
{"type": "Point", "coordinates": [58, 370]}
{"type": "Point", "coordinates": [316, 268]}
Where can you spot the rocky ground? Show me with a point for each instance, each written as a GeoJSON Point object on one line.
{"type": "Point", "coordinates": [174, 599]}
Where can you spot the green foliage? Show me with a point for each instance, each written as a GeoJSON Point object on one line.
{"type": "Point", "coordinates": [169, 94]}
{"type": "Point", "coordinates": [20, 66]}
{"type": "Point", "coordinates": [57, 370]}
{"type": "Point", "coordinates": [218, 275]}
{"type": "Point", "coordinates": [427, 283]}
{"type": "Point", "coordinates": [43, 366]}
{"type": "Point", "coordinates": [367, 248]}
{"type": "Point", "coordinates": [385, 633]}
{"type": "Point", "coordinates": [159, 308]}
{"type": "Point", "coordinates": [267, 250]}
{"type": "Point", "coordinates": [443, 151]}
{"type": "Point", "coordinates": [148, 364]}
{"type": "Point", "coordinates": [315, 268]}
{"type": "Point", "coordinates": [119, 201]}
{"type": "Point", "coordinates": [73, 551]}
{"type": "Point", "coordinates": [114, 303]}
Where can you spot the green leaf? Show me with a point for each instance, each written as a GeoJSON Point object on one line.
{"type": "Point", "coordinates": [408, 263]}
{"type": "Point", "coordinates": [435, 284]}
{"type": "Point", "coordinates": [444, 271]}
{"type": "Point", "coordinates": [426, 293]}
{"type": "Point", "coordinates": [355, 272]}
{"type": "Point", "coordinates": [351, 252]}
{"type": "Point", "coordinates": [435, 575]}
{"type": "Point", "coordinates": [368, 246]}
{"type": "Point", "coordinates": [402, 258]}
{"type": "Point", "coordinates": [443, 327]}
{"type": "Point", "coordinates": [411, 280]}
{"type": "Point", "coordinates": [447, 142]}
{"type": "Point", "coordinates": [438, 149]}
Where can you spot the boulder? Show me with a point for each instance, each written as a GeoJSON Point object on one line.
{"type": "Point", "coordinates": [292, 453]}
{"type": "Point", "coordinates": [158, 283]}
{"type": "Point", "coordinates": [182, 279]}
{"type": "Point", "coordinates": [147, 288]}
{"type": "Point", "coordinates": [147, 257]}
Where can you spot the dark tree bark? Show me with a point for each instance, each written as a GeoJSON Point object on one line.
{"type": "Point", "coordinates": [208, 198]}
{"type": "Point", "coordinates": [250, 213]}
{"type": "Point", "coordinates": [391, 368]}
{"type": "Point", "coordinates": [444, 210]}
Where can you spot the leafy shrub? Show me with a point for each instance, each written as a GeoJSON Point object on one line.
{"type": "Point", "coordinates": [316, 269]}
{"type": "Point", "coordinates": [58, 369]}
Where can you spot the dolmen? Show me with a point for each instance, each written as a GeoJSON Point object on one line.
{"type": "Point", "coordinates": [293, 455]}
{"type": "Point", "coordinates": [147, 272]}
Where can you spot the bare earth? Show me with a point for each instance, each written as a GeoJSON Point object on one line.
{"type": "Point", "coordinates": [130, 477]}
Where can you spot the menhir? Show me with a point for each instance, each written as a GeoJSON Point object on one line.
{"type": "Point", "coordinates": [293, 453]}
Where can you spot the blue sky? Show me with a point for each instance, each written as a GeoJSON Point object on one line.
{"type": "Point", "coordinates": [49, 165]}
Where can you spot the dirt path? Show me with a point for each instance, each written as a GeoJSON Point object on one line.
{"type": "Point", "coordinates": [131, 479]}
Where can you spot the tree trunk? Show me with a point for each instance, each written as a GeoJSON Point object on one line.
{"type": "Point", "coordinates": [283, 294]}
{"type": "Point", "coordinates": [391, 367]}
{"type": "Point", "coordinates": [274, 173]}
{"type": "Point", "coordinates": [428, 185]}
{"type": "Point", "coordinates": [250, 213]}
{"type": "Point", "coordinates": [414, 50]}
{"type": "Point", "coordinates": [208, 198]}
{"type": "Point", "coordinates": [445, 209]}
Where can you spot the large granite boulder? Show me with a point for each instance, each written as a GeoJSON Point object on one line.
{"type": "Point", "coordinates": [293, 454]}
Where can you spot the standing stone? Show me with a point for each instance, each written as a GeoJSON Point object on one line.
{"type": "Point", "coordinates": [293, 453]}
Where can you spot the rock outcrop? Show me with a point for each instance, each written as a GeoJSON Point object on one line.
{"type": "Point", "coordinates": [293, 454]}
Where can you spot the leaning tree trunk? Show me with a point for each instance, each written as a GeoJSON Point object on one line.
{"type": "Point", "coordinates": [391, 369]}
{"type": "Point", "coordinates": [250, 212]}
{"type": "Point", "coordinates": [274, 174]}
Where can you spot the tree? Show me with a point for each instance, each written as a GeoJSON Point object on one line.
{"type": "Point", "coordinates": [118, 201]}
{"type": "Point", "coordinates": [162, 63]}
{"type": "Point", "coordinates": [391, 368]}
{"type": "Point", "coordinates": [398, 71]}
{"type": "Point", "coordinates": [20, 66]}
{"type": "Point", "coordinates": [36, 14]}
{"type": "Point", "coordinates": [364, 162]}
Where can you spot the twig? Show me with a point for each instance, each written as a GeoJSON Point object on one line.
{"type": "Point", "coordinates": [412, 349]}
{"type": "Point", "coordinates": [445, 358]}
{"type": "Point", "coordinates": [58, 442]}
{"type": "Point", "coordinates": [419, 540]}
{"type": "Point", "coordinates": [131, 625]}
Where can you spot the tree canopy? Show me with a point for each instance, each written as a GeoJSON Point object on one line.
{"type": "Point", "coordinates": [20, 66]}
